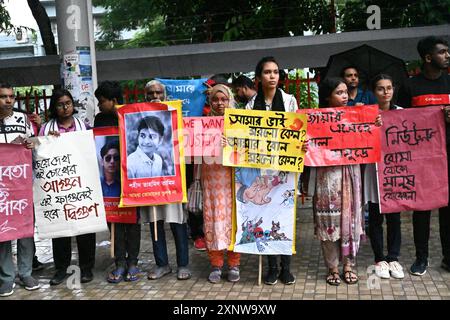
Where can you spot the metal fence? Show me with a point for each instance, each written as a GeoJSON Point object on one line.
{"type": "Point", "coordinates": [36, 102]}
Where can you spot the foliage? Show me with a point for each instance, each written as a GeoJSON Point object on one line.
{"type": "Point", "coordinates": [396, 14]}
{"type": "Point", "coordinates": [187, 21]}
{"type": "Point", "coordinates": [5, 19]}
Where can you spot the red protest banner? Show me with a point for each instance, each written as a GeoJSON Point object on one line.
{"type": "Point", "coordinates": [152, 166]}
{"type": "Point", "coordinates": [16, 193]}
{"type": "Point", "coordinates": [343, 135]}
{"type": "Point", "coordinates": [202, 137]}
{"type": "Point", "coordinates": [108, 155]}
{"type": "Point", "coordinates": [413, 172]}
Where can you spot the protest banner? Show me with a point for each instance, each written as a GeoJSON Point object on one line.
{"type": "Point", "coordinates": [202, 138]}
{"type": "Point", "coordinates": [16, 193]}
{"type": "Point", "coordinates": [108, 156]}
{"type": "Point", "coordinates": [265, 211]}
{"type": "Point", "coordinates": [264, 140]}
{"type": "Point", "coordinates": [342, 135]}
{"type": "Point", "coordinates": [68, 197]}
{"type": "Point", "coordinates": [151, 149]}
{"type": "Point", "coordinates": [412, 174]}
{"type": "Point", "coordinates": [191, 92]}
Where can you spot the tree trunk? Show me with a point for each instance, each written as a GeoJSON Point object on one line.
{"type": "Point", "coordinates": [41, 17]}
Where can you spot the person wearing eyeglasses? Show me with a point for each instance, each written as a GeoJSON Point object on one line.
{"type": "Point", "coordinates": [62, 119]}
{"type": "Point", "coordinates": [155, 91]}
{"type": "Point", "coordinates": [61, 113]}
{"type": "Point", "coordinates": [217, 210]}
{"type": "Point", "coordinates": [111, 165]}
{"type": "Point", "coordinates": [385, 266]}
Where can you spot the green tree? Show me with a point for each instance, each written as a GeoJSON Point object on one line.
{"type": "Point", "coordinates": [395, 14]}
{"type": "Point", "coordinates": [187, 21]}
{"type": "Point", "coordinates": [5, 19]}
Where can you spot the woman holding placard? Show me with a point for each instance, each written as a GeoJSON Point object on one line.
{"type": "Point", "coordinates": [217, 183]}
{"type": "Point", "coordinates": [62, 119]}
{"type": "Point", "coordinates": [272, 98]}
{"type": "Point", "coordinates": [337, 200]}
{"type": "Point", "coordinates": [385, 266]}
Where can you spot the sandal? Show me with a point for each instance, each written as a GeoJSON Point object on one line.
{"type": "Point", "coordinates": [350, 277]}
{"type": "Point", "coordinates": [132, 274]}
{"type": "Point", "coordinates": [333, 278]}
{"type": "Point", "coordinates": [116, 275]}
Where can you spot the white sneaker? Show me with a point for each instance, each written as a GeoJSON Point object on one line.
{"type": "Point", "coordinates": [396, 270]}
{"type": "Point", "coordinates": [382, 270]}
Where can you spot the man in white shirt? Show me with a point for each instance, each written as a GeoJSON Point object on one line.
{"type": "Point", "coordinates": [15, 128]}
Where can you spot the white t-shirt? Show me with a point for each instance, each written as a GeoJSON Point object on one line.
{"type": "Point", "coordinates": [289, 102]}
{"type": "Point", "coordinates": [16, 125]}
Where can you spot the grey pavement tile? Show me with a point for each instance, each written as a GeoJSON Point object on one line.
{"type": "Point", "coordinates": [307, 266]}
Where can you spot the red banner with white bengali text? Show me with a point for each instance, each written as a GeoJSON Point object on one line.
{"type": "Point", "coordinates": [342, 136]}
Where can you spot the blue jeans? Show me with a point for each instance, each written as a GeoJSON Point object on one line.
{"type": "Point", "coordinates": [180, 235]}
{"type": "Point", "coordinates": [25, 254]}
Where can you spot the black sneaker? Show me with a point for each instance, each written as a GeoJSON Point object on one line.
{"type": "Point", "coordinates": [58, 278]}
{"type": "Point", "coordinates": [86, 276]}
{"type": "Point", "coordinates": [30, 283]}
{"type": "Point", "coordinates": [7, 289]}
{"type": "Point", "coordinates": [271, 277]}
{"type": "Point", "coordinates": [445, 266]}
{"type": "Point", "coordinates": [37, 265]}
{"type": "Point", "coordinates": [286, 277]}
{"type": "Point", "coordinates": [419, 268]}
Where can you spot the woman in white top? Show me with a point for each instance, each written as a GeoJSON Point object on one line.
{"type": "Point", "coordinates": [385, 266]}
{"type": "Point", "coordinates": [272, 98]}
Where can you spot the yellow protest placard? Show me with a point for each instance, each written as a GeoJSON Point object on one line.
{"type": "Point", "coordinates": [269, 139]}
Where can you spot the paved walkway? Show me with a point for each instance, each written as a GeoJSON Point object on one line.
{"type": "Point", "coordinates": [307, 266]}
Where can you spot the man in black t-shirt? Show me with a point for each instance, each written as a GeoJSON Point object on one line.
{"type": "Point", "coordinates": [431, 87]}
{"type": "Point", "coordinates": [108, 94]}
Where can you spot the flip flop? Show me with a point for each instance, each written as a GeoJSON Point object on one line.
{"type": "Point", "coordinates": [116, 275]}
{"type": "Point", "coordinates": [132, 274]}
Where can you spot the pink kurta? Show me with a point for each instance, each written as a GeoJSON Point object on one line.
{"type": "Point", "coordinates": [217, 205]}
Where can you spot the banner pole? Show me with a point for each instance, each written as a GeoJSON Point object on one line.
{"type": "Point", "coordinates": [260, 271]}
{"type": "Point", "coordinates": [113, 228]}
{"type": "Point", "coordinates": [155, 223]}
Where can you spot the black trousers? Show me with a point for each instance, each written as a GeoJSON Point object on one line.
{"type": "Point", "coordinates": [394, 236]}
{"type": "Point", "coordinates": [285, 261]}
{"type": "Point", "coordinates": [62, 252]}
{"type": "Point", "coordinates": [421, 228]}
{"type": "Point", "coordinates": [127, 243]}
{"type": "Point", "coordinates": [195, 220]}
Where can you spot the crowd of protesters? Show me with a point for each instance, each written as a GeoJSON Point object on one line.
{"type": "Point", "coordinates": [339, 192]}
